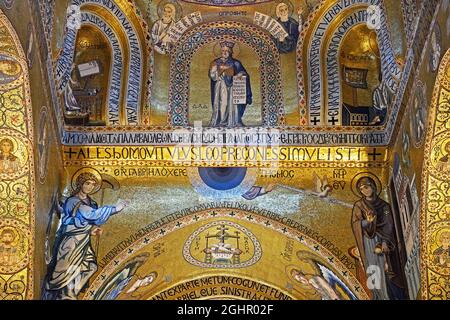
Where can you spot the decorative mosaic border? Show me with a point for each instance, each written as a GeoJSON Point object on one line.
{"type": "Point", "coordinates": [227, 3]}
{"type": "Point", "coordinates": [115, 78]}
{"type": "Point", "coordinates": [409, 11]}
{"type": "Point", "coordinates": [146, 110]}
{"type": "Point", "coordinates": [18, 284]}
{"type": "Point", "coordinates": [260, 42]}
{"type": "Point", "coordinates": [236, 164]}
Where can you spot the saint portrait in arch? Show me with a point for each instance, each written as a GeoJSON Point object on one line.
{"type": "Point", "coordinates": [10, 69]}
{"type": "Point", "coordinates": [444, 160]}
{"type": "Point", "coordinates": [229, 99]}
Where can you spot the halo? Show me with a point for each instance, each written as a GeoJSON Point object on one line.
{"type": "Point", "coordinates": [13, 141]}
{"type": "Point", "coordinates": [365, 175]}
{"type": "Point", "coordinates": [287, 2]}
{"type": "Point", "coordinates": [444, 143]}
{"type": "Point", "coordinates": [218, 50]}
{"type": "Point", "coordinates": [155, 276]}
{"type": "Point", "coordinates": [87, 170]}
{"type": "Point", "coordinates": [178, 9]}
{"type": "Point", "coordinates": [439, 233]}
{"type": "Point", "coordinates": [288, 269]}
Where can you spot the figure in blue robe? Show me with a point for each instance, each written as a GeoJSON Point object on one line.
{"type": "Point", "coordinates": [74, 262]}
{"type": "Point", "coordinates": [289, 44]}
{"type": "Point", "coordinates": [116, 285]}
{"type": "Point", "coordinates": [291, 26]}
{"type": "Point", "coordinates": [222, 72]}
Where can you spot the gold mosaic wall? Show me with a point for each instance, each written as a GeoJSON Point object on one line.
{"type": "Point", "coordinates": [434, 226]}
{"type": "Point", "coordinates": [17, 172]}
{"type": "Point", "coordinates": [181, 239]}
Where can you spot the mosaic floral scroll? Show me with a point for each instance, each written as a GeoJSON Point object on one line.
{"type": "Point", "coordinates": [435, 220]}
{"type": "Point", "coordinates": [16, 170]}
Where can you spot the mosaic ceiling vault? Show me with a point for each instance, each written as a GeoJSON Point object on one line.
{"type": "Point", "coordinates": [224, 149]}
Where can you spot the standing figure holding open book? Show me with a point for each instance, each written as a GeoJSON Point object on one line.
{"type": "Point", "coordinates": [230, 89]}
{"type": "Point", "coordinates": [288, 43]}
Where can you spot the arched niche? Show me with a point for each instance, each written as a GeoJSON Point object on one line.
{"type": "Point", "coordinates": [112, 48]}
{"type": "Point", "coordinates": [270, 69]}
{"type": "Point", "coordinates": [200, 94]}
{"type": "Point", "coordinates": [360, 71]}
{"type": "Point", "coordinates": [112, 18]}
{"type": "Point", "coordinates": [92, 91]}
{"type": "Point", "coordinates": [312, 71]}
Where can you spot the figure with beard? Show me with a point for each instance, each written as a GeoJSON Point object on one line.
{"type": "Point", "coordinates": [8, 251]}
{"type": "Point", "coordinates": [222, 73]}
{"type": "Point", "coordinates": [161, 28]}
{"type": "Point", "coordinates": [291, 26]}
{"type": "Point", "coordinates": [442, 254]}
{"type": "Point", "coordinates": [444, 162]}
{"type": "Point", "coordinates": [373, 228]}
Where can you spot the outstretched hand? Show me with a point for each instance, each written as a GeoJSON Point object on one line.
{"type": "Point", "coordinates": [270, 187]}
{"type": "Point", "coordinates": [122, 204]}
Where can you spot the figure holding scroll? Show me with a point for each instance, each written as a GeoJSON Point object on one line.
{"type": "Point", "coordinates": [286, 44]}
{"type": "Point", "coordinates": [160, 30]}
{"type": "Point", "coordinates": [230, 89]}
